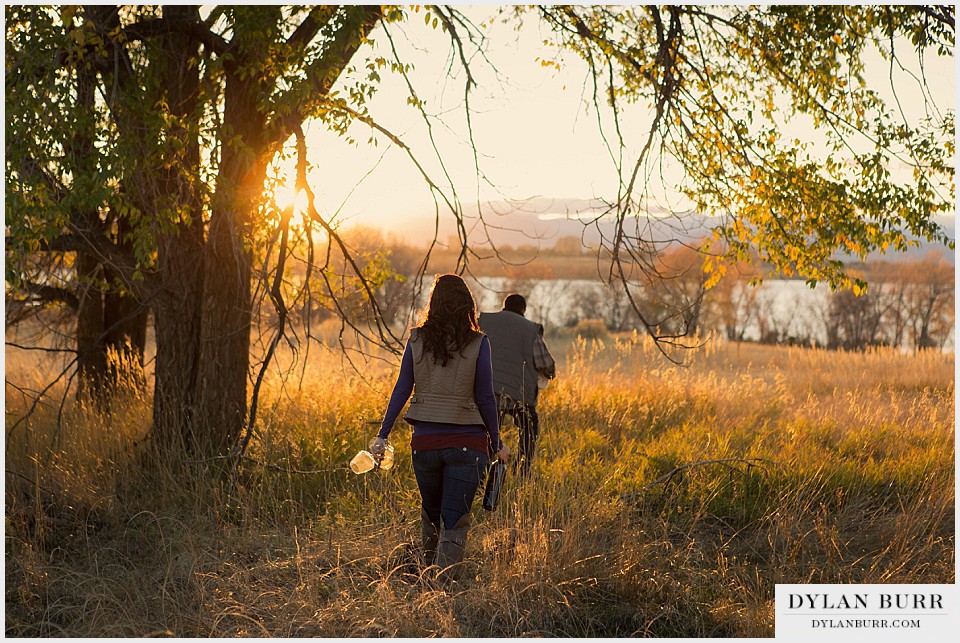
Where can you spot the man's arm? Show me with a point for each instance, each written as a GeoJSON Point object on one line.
{"type": "Point", "coordinates": [542, 359]}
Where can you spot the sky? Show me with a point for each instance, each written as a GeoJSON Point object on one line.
{"type": "Point", "coordinates": [533, 135]}
{"type": "Point", "coordinates": [536, 135]}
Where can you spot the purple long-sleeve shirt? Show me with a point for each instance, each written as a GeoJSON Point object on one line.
{"type": "Point", "coordinates": [482, 394]}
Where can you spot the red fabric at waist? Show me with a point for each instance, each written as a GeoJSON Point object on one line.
{"type": "Point", "coordinates": [446, 440]}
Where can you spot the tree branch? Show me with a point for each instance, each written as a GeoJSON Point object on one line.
{"type": "Point", "coordinates": [392, 342]}
{"type": "Point", "coordinates": [156, 27]}
{"type": "Point", "coordinates": [42, 292]}
{"type": "Point", "coordinates": [319, 76]}
{"type": "Point", "coordinates": [319, 17]}
{"type": "Point", "coordinates": [944, 14]}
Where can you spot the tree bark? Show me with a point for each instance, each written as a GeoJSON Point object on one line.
{"type": "Point", "coordinates": [177, 307]}
{"type": "Point", "coordinates": [124, 337]}
{"type": "Point", "coordinates": [204, 319]}
{"type": "Point", "coordinates": [225, 333]}
{"type": "Point", "coordinates": [228, 260]}
{"type": "Point", "coordinates": [124, 321]}
{"type": "Point", "coordinates": [91, 354]}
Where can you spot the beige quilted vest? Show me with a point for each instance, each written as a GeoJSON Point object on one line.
{"type": "Point", "coordinates": [444, 393]}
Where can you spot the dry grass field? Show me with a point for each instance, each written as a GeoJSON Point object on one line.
{"type": "Point", "coordinates": [665, 501]}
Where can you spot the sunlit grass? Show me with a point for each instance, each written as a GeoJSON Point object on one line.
{"type": "Point", "coordinates": [800, 466]}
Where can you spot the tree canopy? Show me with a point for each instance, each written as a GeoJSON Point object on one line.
{"type": "Point", "coordinates": [726, 84]}
{"type": "Point", "coordinates": [139, 139]}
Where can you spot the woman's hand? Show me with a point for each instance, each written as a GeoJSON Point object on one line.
{"type": "Point", "coordinates": [504, 453]}
{"type": "Point", "coordinates": [378, 446]}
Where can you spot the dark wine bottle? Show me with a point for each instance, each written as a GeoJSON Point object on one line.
{"type": "Point", "coordinates": [496, 472]}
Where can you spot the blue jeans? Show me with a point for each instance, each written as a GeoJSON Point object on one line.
{"type": "Point", "coordinates": [448, 480]}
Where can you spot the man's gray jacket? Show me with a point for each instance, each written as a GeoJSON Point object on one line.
{"type": "Point", "coordinates": [511, 343]}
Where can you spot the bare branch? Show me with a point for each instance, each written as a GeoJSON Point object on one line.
{"type": "Point", "coordinates": [42, 349]}
{"type": "Point", "coordinates": [387, 338]}
{"type": "Point", "coordinates": [277, 297]}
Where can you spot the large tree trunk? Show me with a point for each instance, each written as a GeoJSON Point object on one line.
{"type": "Point", "coordinates": [203, 312]}
{"type": "Point", "coordinates": [124, 321]}
{"type": "Point", "coordinates": [177, 325]}
{"type": "Point", "coordinates": [108, 321]}
{"type": "Point", "coordinates": [225, 333]}
{"type": "Point", "coordinates": [91, 355]}
{"type": "Point", "coordinates": [125, 335]}
{"type": "Point", "coordinates": [206, 397]}
{"type": "Point", "coordinates": [228, 263]}
{"type": "Point", "coordinates": [177, 307]}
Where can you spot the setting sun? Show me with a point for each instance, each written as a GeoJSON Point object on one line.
{"type": "Point", "coordinates": [287, 196]}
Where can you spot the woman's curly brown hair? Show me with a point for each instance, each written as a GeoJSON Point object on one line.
{"type": "Point", "coordinates": [451, 321]}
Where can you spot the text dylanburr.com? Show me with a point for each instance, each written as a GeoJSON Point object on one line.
{"type": "Point", "coordinates": [871, 613]}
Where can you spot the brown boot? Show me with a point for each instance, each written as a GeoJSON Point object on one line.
{"type": "Point", "coordinates": [453, 543]}
{"type": "Point", "coordinates": [430, 537]}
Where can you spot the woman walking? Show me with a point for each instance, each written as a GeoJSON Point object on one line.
{"type": "Point", "coordinates": [447, 367]}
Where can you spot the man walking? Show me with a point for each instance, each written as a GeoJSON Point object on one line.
{"type": "Point", "coordinates": [519, 356]}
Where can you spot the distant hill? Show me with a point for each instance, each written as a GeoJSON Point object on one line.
{"type": "Point", "coordinates": [542, 221]}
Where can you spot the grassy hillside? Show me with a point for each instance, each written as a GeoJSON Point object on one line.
{"type": "Point", "coordinates": [665, 502]}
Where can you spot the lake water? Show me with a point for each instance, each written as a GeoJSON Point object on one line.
{"type": "Point", "coordinates": [790, 306]}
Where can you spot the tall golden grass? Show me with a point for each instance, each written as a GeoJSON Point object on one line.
{"type": "Point", "coordinates": [665, 501]}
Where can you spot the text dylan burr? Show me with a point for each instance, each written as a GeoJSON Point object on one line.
{"type": "Point", "coordinates": [866, 601]}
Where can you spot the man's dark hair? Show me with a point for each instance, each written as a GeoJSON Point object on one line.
{"type": "Point", "coordinates": [515, 303]}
